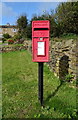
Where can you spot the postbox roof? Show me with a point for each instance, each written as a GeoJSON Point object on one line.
{"type": "Point", "coordinates": [40, 24]}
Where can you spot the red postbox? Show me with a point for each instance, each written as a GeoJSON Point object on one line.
{"type": "Point", "coordinates": [40, 41]}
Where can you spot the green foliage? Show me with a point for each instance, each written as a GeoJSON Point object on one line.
{"type": "Point", "coordinates": [69, 36]}
{"type": "Point", "coordinates": [17, 37]}
{"type": "Point", "coordinates": [29, 31]}
{"type": "Point", "coordinates": [22, 25]}
{"type": "Point", "coordinates": [3, 40]}
{"type": "Point", "coordinates": [6, 36]}
{"type": "Point", "coordinates": [66, 16]}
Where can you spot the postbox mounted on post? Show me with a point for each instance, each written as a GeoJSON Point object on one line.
{"type": "Point", "coordinates": [40, 50]}
{"type": "Point", "coordinates": [40, 41]}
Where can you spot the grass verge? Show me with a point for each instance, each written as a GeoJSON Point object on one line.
{"type": "Point", "coordinates": [20, 90]}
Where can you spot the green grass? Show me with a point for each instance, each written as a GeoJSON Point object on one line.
{"type": "Point", "coordinates": [20, 90]}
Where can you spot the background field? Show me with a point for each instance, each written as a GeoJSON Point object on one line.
{"type": "Point", "coordinates": [20, 90]}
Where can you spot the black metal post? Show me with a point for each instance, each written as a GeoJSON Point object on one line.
{"type": "Point", "coordinates": [40, 82]}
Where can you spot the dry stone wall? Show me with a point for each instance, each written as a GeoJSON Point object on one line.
{"type": "Point", "coordinates": [25, 46]}
{"type": "Point", "coordinates": [63, 56]}
{"type": "Point", "coordinates": [12, 48]}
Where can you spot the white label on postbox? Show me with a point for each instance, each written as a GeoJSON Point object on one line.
{"type": "Point", "coordinates": [41, 48]}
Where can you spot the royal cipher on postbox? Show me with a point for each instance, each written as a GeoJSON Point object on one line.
{"type": "Point", "coordinates": [40, 40]}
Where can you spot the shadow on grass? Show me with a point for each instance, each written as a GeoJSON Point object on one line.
{"type": "Point", "coordinates": [60, 106]}
{"type": "Point", "coordinates": [55, 92]}
{"type": "Point", "coordinates": [63, 70]}
{"type": "Point", "coordinates": [55, 102]}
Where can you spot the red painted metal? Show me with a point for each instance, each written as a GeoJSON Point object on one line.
{"type": "Point", "coordinates": [40, 41]}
